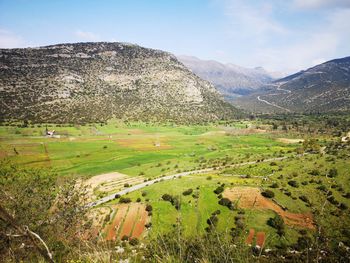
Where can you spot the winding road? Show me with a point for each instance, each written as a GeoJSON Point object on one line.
{"type": "Point", "coordinates": [173, 176]}
{"type": "Point", "coordinates": [273, 104]}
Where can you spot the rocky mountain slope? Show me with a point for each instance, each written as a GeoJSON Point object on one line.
{"type": "Point", "coordinates": [229, 79]}
{"type": "Point", "coordinates": [89, 82]}
{"type": "Point", "coordinates": [323, 88]}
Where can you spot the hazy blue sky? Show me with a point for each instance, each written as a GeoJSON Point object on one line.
{"type": "Point", "coordinates": [279, 35]}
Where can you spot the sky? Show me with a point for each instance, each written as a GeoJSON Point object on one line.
{"type": "Point", "coordinates": [279, 35]}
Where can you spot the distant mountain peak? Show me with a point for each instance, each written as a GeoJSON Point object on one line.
{"type": "Point", "coordinates": [229, 79]}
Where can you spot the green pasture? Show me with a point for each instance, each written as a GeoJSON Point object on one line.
{"type": "Point", "coordinates": [95, 149]}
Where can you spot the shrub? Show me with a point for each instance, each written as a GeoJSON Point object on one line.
{"type": "Point", "coordinates": [287, 193]}
{"type": "Point", "coordinates": [343, 206]}
{"type": "Point", "coordinates": [149, 208]}
{"type": "Point", "coordinates": [219, 190]}
{"type": "Point", "coordinates": [195, 195]}
{"type": "Point", "coordinates": [347, 195]}
{"type": "Point", "coordinates": [134, 241]}
{"type": "Point", "coordinates": [138, 200]}
{"type": "Point", "coordinates": [167, 197]}
{"type": "Point", "coordinates": [117, 196]}
{"type": "Point", "coordinates": [226, 202]}
{"type": "Point", "coordinates": [126, 185]}
{"type": "Point", "coordinates": [293, 183]}
{"type": "Point", "coordinates": [268, 194]}
{"type": "Point", "coordinates": [213, 220]}
{"type": "Point", "coordinates": [277, 223]}
{"type": "Point", "coordinates": [274, 185]}
{"type": "Point", "coordinates": [304, 199]}
{"type": "Point", "coordinates": [315, 172]}
{"type": "Point", "coordinates": [217, 212]}
{"type": "Point", "coordinates": [322, 188]}
{"type": "Point", "coordinates": [173, 200]}
{"type": "Point", "coordinates": [124, 200]}
{"type": "Point", "coordinates": [144, 193]}
{"type": "Point", "coordinates": [187, 192]}
{"type": "Point", "coordinates": [148, 225]}
{"type": "Point", "coordinates": [209, 178]}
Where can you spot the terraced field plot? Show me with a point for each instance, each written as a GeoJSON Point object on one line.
{"type": "Point", "coordinates": [128, 220]}
{"type": "Point", "coordinates": [250, 197]}
{"type": "Point", "coordinates": [104, 184]}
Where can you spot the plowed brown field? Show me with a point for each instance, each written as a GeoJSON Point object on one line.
{"type": "Point", "coordinates": [130, 220]}
{"type": "Point", "coordinates": [250, 197]}
{"type": "Point", "coordinates": [250, 237]}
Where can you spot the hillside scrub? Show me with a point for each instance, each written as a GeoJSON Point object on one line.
{"type": "Point", "coordinates": [50, 208]}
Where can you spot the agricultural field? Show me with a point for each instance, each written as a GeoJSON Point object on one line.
{"type": "Point", "coordinates": [135, 149]}
{"type": "Point", "coordinates": [267, 187]}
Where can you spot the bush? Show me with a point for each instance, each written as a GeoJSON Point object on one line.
{"type": "Point", "coordinates": [167, 197]}
{"type": "Point", "coordinates": [126, 185]}
{"type": "Point", "coordinates": [343, 206]}
{"type": "Point", "coordinates": [304, 199]}
{"type": "Point", "coordinates": [117, 196]}
{"type": "Point", "coordinates": [274, 185]}
{"type": "Point", "coordinates": [134, 241]}
{"type": "Point", "coordinates": [187, 192]}
{"type": "Point", "coordinates": [219, 190]}
{"type": "Point", "coordinates": [216, 212]}
{"type": "Point", "coordinates": [144, 193]}
{"type": "Point", "coordinates": [124, 200]}
{"type": "Point", "coordinates": [138, 200]}
{"type": "Point", "coordinates": [293, 183]}
{"type": "Point", "coordinates": [213, 220]}
{"type": "Point", "coordinates": [268, 194]}
{"type": "Point", "coordinates": [173, 200]}
{"type": "Point", "coordinates": [149, 208]}
{"type": "Point", "coordinates": [226, 202]}
{"type": "Point", "coordinates": [277, 223]}
{"type": "Point", "coordinates": [322, 188]}
{"type": "Point", "coordinates": [315, 172]}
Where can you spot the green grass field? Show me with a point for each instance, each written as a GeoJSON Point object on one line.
{"type": "Point", "coordinates": [153, 150]}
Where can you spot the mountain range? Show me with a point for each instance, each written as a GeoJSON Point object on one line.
{"type": "Point", "coordinates": [93, 82]}
{"type": "Point", "coordinates": [322, 88]}
{"type": "Point", "coordinates": [231, 80]}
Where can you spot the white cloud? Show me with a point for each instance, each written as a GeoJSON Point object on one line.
{"type": "Point", "coordinates": [319, 46]}
{"type": "Point", "coordinates": [87, 36]}
{"type": "Point", "coordinates": [310, 4]}
{"type": "Point", "coordinates": [259, 30]}
{"type": "Point", "coordinates": [10, 40]}
{"type": "Point", "coordinates": [253, 20]}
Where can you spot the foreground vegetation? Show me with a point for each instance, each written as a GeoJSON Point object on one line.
{"type": "Point", "coordinates": [190, 218]}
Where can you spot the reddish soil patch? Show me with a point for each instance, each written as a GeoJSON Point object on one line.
{"type": "Point", "coordinates": [140, 223]}
{"type": "Point", "coordinates": [113, 228]}
{"type": "Point", "coordinates": [250, 197]}
{"type": "Point", "coordinates": [250, 237]}
{"type": "Point", "coordinates": [260, 239]}
{"type": "Point", "coordinates": [129, 221]}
